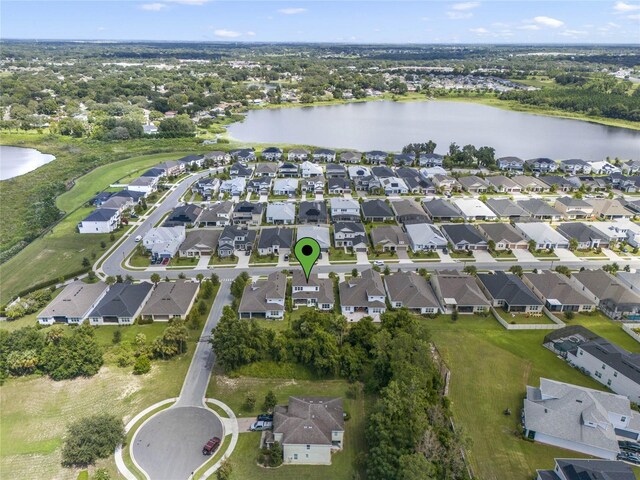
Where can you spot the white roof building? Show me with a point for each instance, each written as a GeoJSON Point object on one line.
{"type": "Point", "coordinates": [542, 233]}
{"type": "Point", "coordinates": [474, 209]}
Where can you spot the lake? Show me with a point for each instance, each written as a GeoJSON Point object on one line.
{"type": "Point", "coordinates": [388, 125]}
{"type": "Point", "coordinates": [15, 161]}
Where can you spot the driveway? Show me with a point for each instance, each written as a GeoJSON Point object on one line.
{"type": "Point", "coordinates": [524, 255]}
{"type": "Point", "coordinates": [482, 256]}
{"type": "Point", "coordinates": [169, 446]}
{"type": "Point", "coordinates": [243, 259]}
{"type": "Point", "coordinates": [362, 258]}
{"type": "Point", "coordinates": [203, 262]}
{"type": "Point", "coordinates": [564, 254]}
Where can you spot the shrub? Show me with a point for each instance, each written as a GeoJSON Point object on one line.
{"type": "Point", "coordinates": [142, 365]}
{"type": "Point", "coordinates": [91, 438]}
{"type": "Point", "coordinates": [250, 401]}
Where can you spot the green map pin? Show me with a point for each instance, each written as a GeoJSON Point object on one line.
{"type": "Point", "coordinates": [307, 251]}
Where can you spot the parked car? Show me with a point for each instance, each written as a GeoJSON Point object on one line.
{"type": "Point", "coordinates": [165, 261]}
{"type": "Point", "coordinates": [378, 263]}
{"type": "Point", "coordinates": [630, 446]}
{"type": "Point", "coordinates": [265, 417]}
{"type": "Point", "coordinates": [261, 425]}
{"type": "Point", "coordinates": [133, 215]}
{"type": "Point", "coordinates": [211, 446]}
{"type": "Point", "coordinates": [138, 238]}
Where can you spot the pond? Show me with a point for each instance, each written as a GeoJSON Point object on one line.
{"type": "Point", "coordinates": [388, 125]}
{"type": "Point", "coordinates": [15, 161]}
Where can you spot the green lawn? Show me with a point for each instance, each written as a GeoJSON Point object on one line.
{"type": "Point", "coordinates": [382, 255]}
{"type": "Point", "coordinates": [183, 262]}
{"type": "Point", "coordinates": [523, 319]}
{"type": "Point", "coordinates": [502, 254]}
{"type": "Point", "coordinates": [488, 375]}
{"type": "Point", "coordinates": [603, 326]}
{"type": "Point", "coordinates": [338, 254]}
{"type": "Point", "coordinates": [588, 253]}
{"type": "Point", "coordinates": [268, 259]}
{"type": "Point", "coordinates": [216, 260]}
{"type": "Point", "coordinates": [462, 255]}
{"type": "Point", "coordinates": [136, 260]}
{"type": "Point", "coordinates": [544, 254]}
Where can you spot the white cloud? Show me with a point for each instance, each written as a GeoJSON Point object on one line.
{"type": "Point", "coordinates": [573, 33]}
{"type": "Point", "coordinates": [465, 5]}
{"type": "Point", "coordinates": [189, 2]}
{"type": "Point", "coordinates": [251, 34]}
{"type": "Point", "coordinates": [622, 7]}
{"type": "Point", "coordinates": [548, 22]}
{"type": "Point", "coordinates": [153, 7]}
{"type": "Point", "coordinates": [292, 11]}
{"type": "Point", "coordinates": [635, 16]}
{"type": "Point", "coordinates": [479, 31]}
{"type": "Point", "coordinates": [457, 15]}
{"type": "Point", "coordinates": [529, 27]}
{"type": "Point", "coordinates": [222, 33]}
{"type": "Point", "coordinates": [101, 29]}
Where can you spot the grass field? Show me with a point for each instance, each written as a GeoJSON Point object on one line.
{"type": "Point", "coordinates": [338, 254]}
{"type": "Point", "coordinates": [489, 374]}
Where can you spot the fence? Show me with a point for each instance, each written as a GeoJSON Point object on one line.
{"type": "Point", "coordinates": [557, 323]}
{"type": "Point", "coordinates": [628, 327]}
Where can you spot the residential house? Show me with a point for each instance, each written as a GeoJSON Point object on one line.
{"type": "Point", "coordinates": [275, 241]}
{"type": "Point", "coordinates": [154, 172]}
{"type": "Point", "coordinates": [150, 129]}
{"type": "Point", "coordinates": [192, 161]}
{"type": "Point", "coordinates": [473, 184]}
{"type": "Point", "coordinates": [406, 159]}
{"type": "Point", "coordinates": [409, 211]}
{"type": "Point", "coordinates": [503, 235]}
{"type": "Point", "coordinates": [502, 184]}
{"type": "Point", "coordinates": [171, 168]}
{"type": "Point", "coordinates": [198, 243]}
{"type": "Point", "coordinates": [266, 170]}
{"type": "Point", "coordinates": [74, 304]}
{"type": "Point", "coordinates": [338, 186]}
{"type": "Point", "coordinates": [183, 215]}
{"type": "Point", "coordinates": [382, 171]}
{"type": "Point", "coordinates": [324, 155]}
{"type": "Point", "coordinates": [146, 185]}
{"type": "Point", "coordinates": [363, 294]}
{"type": "Point", "coordinates": [631, 167]}
{"type": "Point", "coordinates": [350, 157]}
{"type": "Point", "coordinates": [586, 236]}
{"type": "Point", "coordinates": [415, 182]}
{"type": "Point", "coordinates": [312, 212]}
{"type": "Point", "coordinates": [170, 301]}
{"type": "Point", "coordinates": [285, 186]}
{"type": "Point", "coordinates": [319, 233]}
{"type": "Point", "coordinates": [575, 166]}
{"type": "Point", "coordinates": [260, 185]}
{"type": "Point", "coordinates": [247, 213]}
{"type": "Point", "coordinates": [389, 238]}
{"type": "Point", "coordinates": [119, 203]}
{"type": "Point", "coordinates": [218, 157]}
{"type": "Point", "coordinates": [464, 236]}
{"type": "Point", "coordinates": [511, 164]}
{"type": "Point", "coordinates": [289, 170]}
{"type": "Point", "coordinates": [264, 298]}
{"type": "Point", "coordinates": [506, 208]}
{"type": "Point", "coordinates": [602, 167]}
{"type": "Point", "coordinates": [458, 293]}
{"type": "Point", "coordinates": [309, 429]}
{"type": "Point", "coordinates": [579, 418]}
{"type": "Point", "coordinates": [444, 183]}
{"type": "Point", "coordinates": [272, 154]}
{"type": "Point", "coordinates": [164, 242]}
{"type": "Point", "coordinates": [244, 155]}
{"type": "Point", "coordinates": [298, 155]}
{"type": "Point", "coordinates": [473, 209]}
{"type": "Point", "coordinates": [545, 237]}
{"type": "Point", "coordinates": [615, 231]}
{"type": "Point", "coordinates": [235, 186]}
{"type": "Point", "coordinates": [233, 239]}
{"type": "Point", "coordinates": [508, 291]}
{"type": "Point", "coordinates": [630, 280]}
{"type": "Point", "coordinates": [541, 165]}
{"type": "Point", "coordinates": [376, 211]}
{"type": "Point", "coordinates": [573, 208]}
{"type": "Point", "coordinates": [361, 176]}
{"type": "Point", "coordinates": [557, 292]}
{"type": "Point", "coordinates": [308, 169]}
{"type": "Point", "coordinates": [335, 170]}
{"type": "Point", "coordinates": [207, 186]}
{"type": "Point", "coordinates": [430, 160]}
{"type": "Point", "coordinates": [101, 220]}
{"type": "Point", "coordinates": [579, 469]}
{"type": "Point", "coordinates": [394, 186]}
{"type": "Point", "coordinates": [540, 210]}
{"type": "Point", "coordinates": [344, 210]}
{"type": "Point", "coordinates": [609, 209]}
{"type": "Point", "coordinates": [561, 184]}
{"type": "Point", "coordinates": [350, 235]}
{"type": "Point", "coordinates": [376, 157]}
{"type": "Point", "coordinates": [240, 170]}
{"type": "Point", "coordinates": [430, 172]}
{"type": "Point", "coordinates": [531, 184]}
{"type": "Point", "coordinates": [425, 237]}
{"type": "Point", "coordinates": [122, 304]}
{"type": "Point", "coordinates": [610, 365]}
{"type": "Point", "coordinates": [440, 210]}
{"type": "Point", "coordinates": [312, 185]}
{"type": "Point", "coordinates": [614, 299]}
{"type": "Point", "coordinates": [218, 214]}
{"type": "Point", "coordinates": [281, 213]}
{"type": "Point", "coordinates": [411, 291]}
{"type": "Point", "coordinates": [315, 292]}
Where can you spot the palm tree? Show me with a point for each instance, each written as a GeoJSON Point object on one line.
{"type": "Point", "coordinates": [155, 278]}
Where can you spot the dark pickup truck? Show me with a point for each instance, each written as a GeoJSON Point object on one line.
{"type": "Point", "coordinates": [211, 446]}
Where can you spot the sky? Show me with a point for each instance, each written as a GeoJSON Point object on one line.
{"type": "Point", "coordinates": [342, 21]}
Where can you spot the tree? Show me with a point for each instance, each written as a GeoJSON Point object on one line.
{"type": "Point", "coordinates": [492, 245]}
{"type": "Point", "coordinates": [91, 438]}
{"type": "Point", "coordinates": [178, 126]}
{"type": "Point", "coordinates": [117, 336]}
{"type": "Point", "coordinates": [202, 307]}
{"type": "Point", "coordinates": [573, 244]}
{"type": "Point", "coordinates": [569, 315]}
{"type": "Point", "coordinates": [110, 280]}
{"type": "Point", "coordinates": [237, 286]}
{"type": "Point", "coordinates": [86, 263]}
{"type": "Point", "coordinates": [470, 270]}
{"type": "Point", "coordinates": [517, 269]}
{"type": "Point", "coordinates": [206, 290]}
{"type": "Point", "coordinates": [101, 474]}
{"type": "Point", "coordinates": [73, 356]}
{"type": "Point", "coordinates": [237, 342]}
{"type": "Point", "coordinates": [155, 278]}
{"type": "Point", "coordinates": [532, 245]}
{"type": "Point", "coordinates": [142, 365]}
{"type": "Point", "coordinates": [215, 280]}
{"type": "Point", "coordinates": [224, 471]}
{"type": "Point", "coordinates": [250, 401]}
{"type": "Point", "coordinates": [354, 272]}
{"type": "Point", "coordinates": [199, 278]}
{"type": "Point", "coordinates": [270, 401]}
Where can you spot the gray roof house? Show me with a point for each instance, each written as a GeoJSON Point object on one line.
{"type": "Point", "coordinates": [508, 291]}
{"type": "Point", "coordinates": [503, 184]}
{"type": "Point", "coordinates": [376, 211]}
{"type": "Point", "coordinates": [73, 304]}
{"type": "Point", "coordinates": [572, 208]}
{"type": "Point", "coordinates": [338, 186]}
{"type": "Point", "coordinates": [389, 238]}
{"type": "Point", "coordinates": [266, 170]}
{"type": "Point", "coordinates": [324, 155]}
{"type": "Point", "coordinates": [264, 298]}
{"type": "Point", "coordinates": [539, 209]}
{"type": "Point", "coordinates": [503, 235]}
{"type": "Point", "coordinates": [440, 210]}
{"type": "Point", "coordinates": [217, 215]}
{"type": "Point", "coordinates": [350, 157]}
{"type": "Point", "coordinates": [543, 235]}
{"type": "Point", "coordinates": [363, 295]}
{"type": "Point", "coordinates": [578, 418]}
{"type": "Point", "coordinates": [344, 209]}
{"type": "Point", "coordinates": [531, 184]}
{"type": "Point", "coordinates": [183, 215]}
{"type": "Point", "coordinates": [382, 171]}
{"type": "Point", "coordinates": [275, 240]}
{"type": "Point", "coordinates": [199, 242]}
{"type": "Point", "coordinates": [412, 291]}
{"type": "Point", "coordinates": [376, 157]}
{"type": "Point", "coordinates": [335, 170]}
{"type": "Point", "coordinates": [122, 304]}
{"type": "Point", "coordinates": [240, 170]}
{"type": "Point", "coordinates": [309, 429]}
{"type": "Point", "coordinates": [318, 233]}
{"type": "Point", "coordinates": [288, 169]}
{"type": "Point", "coordinates": [170, 300]}
{"type": "Point", "coordinates": [409, 211]}
{"type": "Point", "coordinates": [579, 469]}
{"type": "Point", "coordinates": [430, 160]}
{"type": "Point", "coordinates": [458, 292]}
{"type": "Point", "coordinates": [350, 234]}
{"type": "Point", "coordinates": [298, 154]}
{"type": "Point", "coordinates": [464, 236]}
{"type": "Point", "coordinates": [281, 213]}
{"type": "Point", "coordinates": [473, 184]}
{"type": "Point", "coordinates": [425, 237]}
{"type": "Point", "coordinates": [247, 213]}
{"type": "Point", "coordinates": [285, 186]}
{"type": "Point", "coordinates": [507, 208]}
{"type": "Point", "coordinates": [511, 164]}
{"type": "Point", "coordinates": [557, 292]}
{"type": "Point", "coordinates": [586, 236]}
{"type": "Point", "coordinates": [541, 165]}
{"type": "Point", "coordinates": [317, 292]}
{"type": "Point", "coordinates": [614, 299]}
{"type": "Point", "coordinates": [313, 212]}
{"type": "Point", "coordinates": [272, 154]}
{"type": "Point", "coordinates": [234, 238]}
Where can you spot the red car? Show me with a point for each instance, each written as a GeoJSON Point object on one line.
{"type": "Point", "coordinates": [211, 446]}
